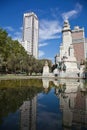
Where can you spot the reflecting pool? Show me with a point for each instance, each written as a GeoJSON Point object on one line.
{"type": "Point", "coordinates": [43, 104]}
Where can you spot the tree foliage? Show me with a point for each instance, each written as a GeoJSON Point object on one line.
{"type": "Point", "coordinates": [14, 58]}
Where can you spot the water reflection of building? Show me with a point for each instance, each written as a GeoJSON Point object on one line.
{"type": "Point", "coordinates": [80, 109]}
{"type": "Point", "coordinates": [73, 103]}
{"type": "Point", "coordinates": [28, 115]}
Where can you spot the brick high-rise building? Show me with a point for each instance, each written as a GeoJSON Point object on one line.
{"type": "Point", "coordinates": [78, 41]}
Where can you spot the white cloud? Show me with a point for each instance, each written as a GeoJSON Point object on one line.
{"type": "Point", "coordinates": [72, 13]}
{"type": "Point", "coordinates": [78, 7]}
{"type": "Point", "coordinates": [18, 36]}
{"type": "Point", "coordinates": [43, 44]}
{"type": "Point", "coordinates": [21, 28]}
{"type": "Point", "coordinates": [9, 28]}
{"type": "Point", "coordinates": [50, 58]}
{"type": "Point", "coordinates": [49, 30]}
{"type": "Point", "coordinates": [18, 33]}
{"type": "Point", "coordinates": [69, 14]}
{"type": "Point", "coordinates": [55, 12]}
{"type": "Point", "coordinates": [41, 53]}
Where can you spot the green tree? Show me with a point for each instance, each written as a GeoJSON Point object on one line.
{"type": "Point", "coordinates": [14, 58]}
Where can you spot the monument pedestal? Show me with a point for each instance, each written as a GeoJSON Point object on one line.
{"type": "Point", "coordinates": [71, 68]}
{"type": "Point", "coordinates": [46, 69]}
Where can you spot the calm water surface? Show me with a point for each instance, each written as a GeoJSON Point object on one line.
{"type": "Point", "coordinates": [43, 104]}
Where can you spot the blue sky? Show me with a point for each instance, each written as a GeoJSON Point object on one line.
{"type": "Point", "coordinates": [51, 15]}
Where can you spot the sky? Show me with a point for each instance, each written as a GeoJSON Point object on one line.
{"type": "Point", "coordinates": [51, 15]}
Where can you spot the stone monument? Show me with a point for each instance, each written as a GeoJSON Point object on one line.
{"type": "Point", "coordinates": [46, 69]}
{"type": "Point", "coordinates": [67, 64]}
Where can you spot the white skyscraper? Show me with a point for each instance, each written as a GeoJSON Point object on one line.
{"type": "Point", "coordinates": [30, 34]}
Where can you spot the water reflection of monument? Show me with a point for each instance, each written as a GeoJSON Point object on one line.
{"type": "Point", "coordinates": [45, 82]}
{"type": "Point", "coordinates": [73, 103]}
{"type": "Point", "coordinates": [28, 115]}
{"type": "Point", "coordinates": [28, 110]}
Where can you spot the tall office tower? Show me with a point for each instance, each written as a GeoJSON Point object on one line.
{"type": "Point", "coordinates": [78, 41]}
{"type": "Point", "coordinates": [30, 34]}
{"type": "Point", "coordinates": [86, 46]}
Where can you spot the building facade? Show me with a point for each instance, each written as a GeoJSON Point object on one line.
{"type": "Point", "coordinates": [78, 41]}
{"type": "Point", "coordinates": [28, 114]}
{"type": "Point", "coordinates": [30, 34]}
{"type": "Point", "coordinates": [86, 47]}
